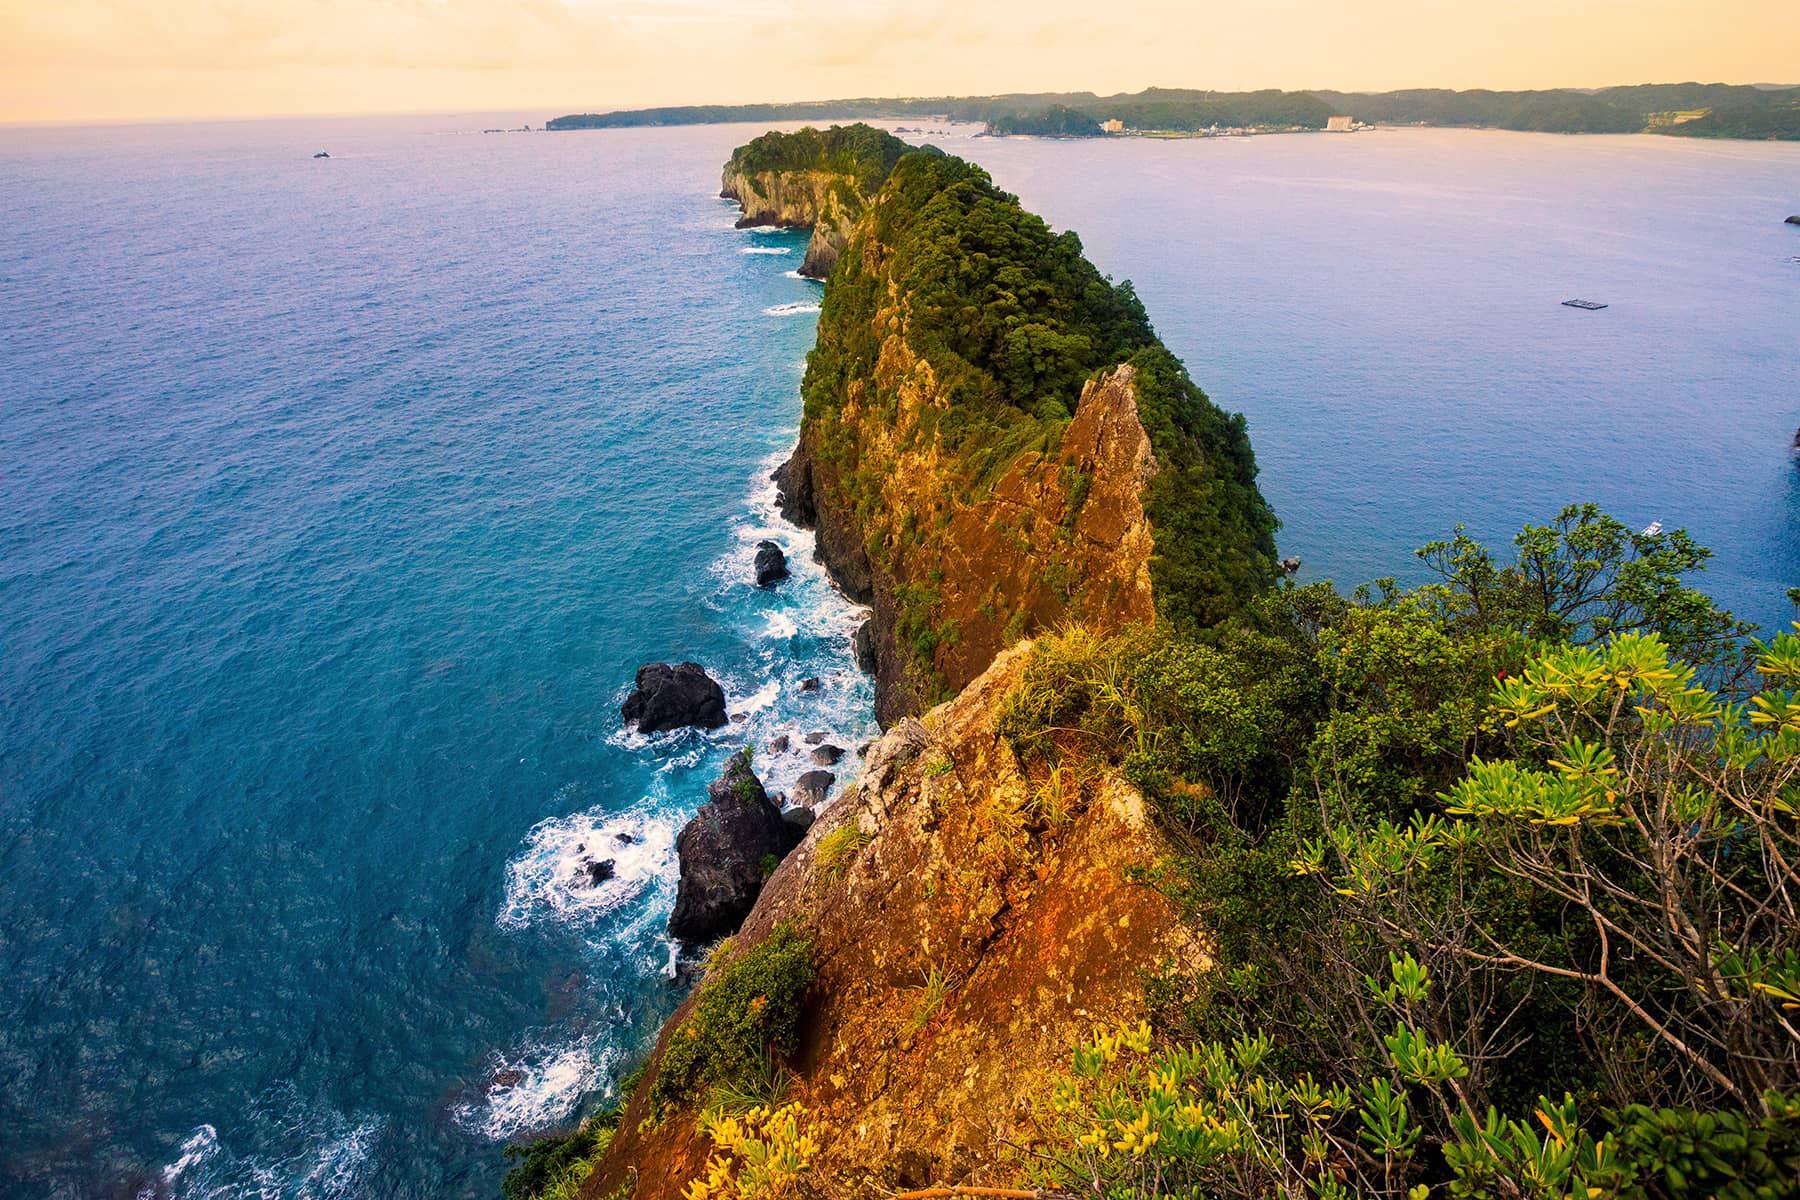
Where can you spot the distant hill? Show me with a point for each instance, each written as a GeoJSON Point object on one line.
{"type": "Point", "coordinates": [1680, 109]}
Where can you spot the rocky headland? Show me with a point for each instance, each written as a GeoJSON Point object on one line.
{"type": "Point", "coordinates": [994, 443]}
{"type": "Point", "coordinates": [811, 180]}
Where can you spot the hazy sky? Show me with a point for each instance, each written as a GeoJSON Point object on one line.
{"type": "Point", "coordinates": [78, 59]}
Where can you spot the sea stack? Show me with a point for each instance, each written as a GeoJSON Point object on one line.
{"type": "Point", "coordinates": [771, 564]}
{"type": "Point", "coordinates": [670, 697]}
{"type": "Point", "coordinates": [723, 851]}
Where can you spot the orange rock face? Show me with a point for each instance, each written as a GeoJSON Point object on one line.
{"type": "Point", "coordinates": [1036, 934]}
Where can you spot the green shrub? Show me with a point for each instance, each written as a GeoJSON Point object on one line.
{"type": "Point", "coordinates": [747, 1010]}
{"type": "Point", "coordinates": [838, 848]}
{"type": "Point", "coordinates": [555, 1167]}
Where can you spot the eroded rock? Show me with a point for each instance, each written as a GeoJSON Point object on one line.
{"type": "Point", "coordinates": [722, 852]}
{"type": "Point", "coordinates": [671, 697]}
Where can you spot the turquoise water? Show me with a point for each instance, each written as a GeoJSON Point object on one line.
{"type": "Point", "coordinates": [340, 498]}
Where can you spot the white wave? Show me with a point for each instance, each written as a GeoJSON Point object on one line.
{"type": "Point", "coordinates": [795, 274]}
{"type": "Point", "coordinates": [791, 310]}
{"type": "Point", "coordinates": [767, 250]}
{"type": "Point", "coordinates": [551, 879]}
{"type": "Point", "coordinates": [535, 1088]}
{"type": "Point", "coordinates": [760, 699]}
{"type": "Point", "coordinates": [309, 1157]}
{"type": "Point", "coordinates": [781, 625]}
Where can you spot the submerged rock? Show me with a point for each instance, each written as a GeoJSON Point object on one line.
{"type": "Point", "coordinates": [670, 697]}
{"type": "Point", "coordinates": [811, 788]}
{"type": "Point", "coordinates": [771, 564]}
{"type": "Point", "coordinates": [722, 851]}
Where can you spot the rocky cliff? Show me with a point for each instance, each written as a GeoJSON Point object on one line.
{"type": "Point", "coordinates": [810, 180]}
{"type": "Point", "coordinates": [960, 944]}
{"type": "Point", "coordinates": [994, 442]}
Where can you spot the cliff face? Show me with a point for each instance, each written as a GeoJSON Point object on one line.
{"type": "Point", "coordinates": [813, 179]}
{"type": "Point", "coordinates": [1060, 535]}
{"type": "Point", "coordinates": [825, 202]}
{"type": "Point", "coordinates": [1035, 934]}
{"type": "Point", "coordinates": [994, 442]}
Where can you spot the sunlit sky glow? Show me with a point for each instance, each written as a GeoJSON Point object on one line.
{"type": "Point", "coordinates": [145, 59]}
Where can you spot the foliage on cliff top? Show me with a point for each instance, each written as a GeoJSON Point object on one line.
{"type": "Point", "coordinates": [861, 151]}
{"type": "Point", "coordinates": [1511, 781]}
{"type": "Point", "coordinates": [1014, 320]}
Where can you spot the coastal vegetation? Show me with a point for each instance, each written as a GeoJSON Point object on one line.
{"type": "Point", "coordinates": [1681, 109]}
{"type": "Point", "coordinates": [1501, 873]}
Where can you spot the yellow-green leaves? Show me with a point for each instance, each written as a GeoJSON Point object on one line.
{"type": "Point", "coordinates": [1578, 791]}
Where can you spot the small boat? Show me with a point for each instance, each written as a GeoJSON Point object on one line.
{"type": "Point", "coordinates": [321, 154]}
{"type": "Point", "coordinates": [1590, 305]}
{"type": "Point", "coordinates": [1652, 529]}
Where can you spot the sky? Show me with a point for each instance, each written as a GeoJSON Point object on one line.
{"type": "Point", "coordinates": [158, 59]}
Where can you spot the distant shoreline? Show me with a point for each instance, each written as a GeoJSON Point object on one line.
{"type": "Point", "coordinates": [1726, 111]}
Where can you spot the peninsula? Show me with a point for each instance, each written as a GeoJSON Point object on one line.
{"type": "Point", "coordinates": [1167, 880]}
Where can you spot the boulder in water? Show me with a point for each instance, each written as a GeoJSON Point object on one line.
{"type": "Point", "coordinates": [778, 743]}
{"type": "Point", "coordinates": [827, 755]}
{"type": "Point", "coordinates": [722, 851]}
{"type": "Point", "coordinates": [771, 564]}
{"type": "Point", "coordinates": [811, 788]}
{"type": "Point", "coordinates": [599, 872]}
{"type": "Point", "coordinates": [1794, 220]}
{"type": "Point", "coordinates": [670, 697]}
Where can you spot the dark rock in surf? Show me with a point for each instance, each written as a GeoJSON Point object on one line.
{"type": "Point", "coordinates": [771, 564]}
{"type": "Point", "coordinates": [670, 697]}
{"type": "Point", "coordinates": [827, 756]}
{"type": "Point", "coordinates": [800, 818]}
{"type": "Point", "coordinates": [817, 736]}
{"type": "Point", "coordinates": [811, 788]}
{"type": "Point", "coordinates": [810, 684]}
{"type": "Point", "coordinates": [778, 743]}
{"type": "Point", "coordinates": [722, 851]}
{"type": "Point", "coordinates": [600, 872]}
{"type": "Point", "coordinates": [1794, 220]}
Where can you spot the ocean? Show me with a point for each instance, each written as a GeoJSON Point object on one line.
{"type": "Point", "coordinates": [340, 498]}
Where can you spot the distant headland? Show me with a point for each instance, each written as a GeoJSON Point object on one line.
{"type": "Point", "coordinates": [1712, 110]}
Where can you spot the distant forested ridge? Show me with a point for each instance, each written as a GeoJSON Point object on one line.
{"type": "Point", "coordinates": [1681, 109]}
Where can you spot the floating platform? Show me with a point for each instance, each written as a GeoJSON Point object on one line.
{"type": "Point", "coordinates": [1590, 305]}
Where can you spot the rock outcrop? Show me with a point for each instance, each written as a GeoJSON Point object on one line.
{"type": "Point", "coordinates": [1794, 220]}
{"type": "Point", "coordinates": [1039, 932]}
{"type": "Point", "coordinates": [1061, 534]}
{"type": "Point", "coordinates": [724, 851]}
{"type": "Point", "coordinates": [812, 179]}
{"type": "Point", "coordinates": [771, 564]}
{"type": "Point", "coordinates": [670, 697]}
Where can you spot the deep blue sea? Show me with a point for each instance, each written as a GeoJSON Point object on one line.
{"type": "Point", "coordinates": [340, 498]}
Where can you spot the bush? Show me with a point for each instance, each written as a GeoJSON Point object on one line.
{"type": "Point", "coordinates": [747, 1011]}
{"type": "Point", "coordinates": [555, 1167]}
